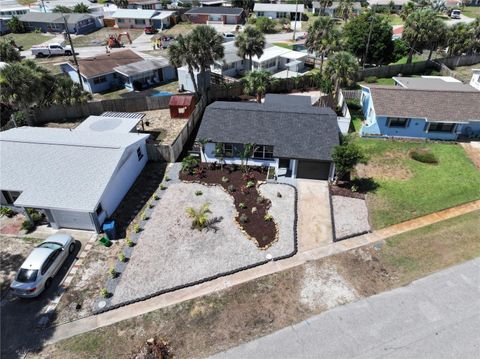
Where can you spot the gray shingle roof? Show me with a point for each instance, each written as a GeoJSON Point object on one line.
{"type": "Point", "coordinates": [59, 168]}
{"type": "Point", "coordinates": [302, 132]}
{"type": "Point", "coordinates": [215, 10]}
{"type": "Point", "coordinates": [446, 106]}
{"type": "Point", "coordinates": [432, 83]}
{"type": "Point", "coordinates": [52, 17]}
{"type": "Point", "coordinates": [289, 100]}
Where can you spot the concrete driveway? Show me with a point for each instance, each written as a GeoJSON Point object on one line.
{"type": "Point", "coordinates": [20, 317]}
{"type": "Point", "coordinates": [314, 217]}
{"type": "Point", "coordinates": [463, 18]}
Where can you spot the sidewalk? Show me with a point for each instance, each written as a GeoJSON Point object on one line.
{"type": "Point", "coordinates": [68, 330]}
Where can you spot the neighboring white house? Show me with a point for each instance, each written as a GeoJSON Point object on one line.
{"type": "Point", "coordinates": [279, 11]}
{"type": "Point", "coordinates": [281, 62]}
{"type": "Point", "coordinates": [139, 19]}
{"type": "Point", "coordinates": [76, 177]}
{"type": "Point", "coordinates": [475, 81]}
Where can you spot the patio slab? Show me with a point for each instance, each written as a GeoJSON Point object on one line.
{"type": "Point", "coordinates": [170, 255]}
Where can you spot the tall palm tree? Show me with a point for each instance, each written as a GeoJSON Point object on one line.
{"type": "Point", "coordinates": [256, 83]}
{"type": "Point", "coordinates": [407, 9]}
{"type": "Point", "coordinates": [420, 29]}
{"type": "Point", "coordinates": [180, 54]}
{"type": "Point", "coordinates": [250, 42]}
{"type": "Point", "coordinates": [68, 92]}
{"type": "Point", "coordinates": [323, 5]}
{"type": "Point", "coordinates": [345, 9]}
{"type": "Point", "coordinates": [322, 37]}
{"type": "Point", "coordinates": [206, 46]}
{"type": "Point", "coordinates": [460, 39]}
{"type": "Point", "coordinates": [342, 69]}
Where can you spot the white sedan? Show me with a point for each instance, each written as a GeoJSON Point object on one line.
{"type": "Point", "coordinates": [37, 272]}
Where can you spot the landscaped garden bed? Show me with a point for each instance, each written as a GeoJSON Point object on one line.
{"type": "Point", "coordinates": [252, 208]}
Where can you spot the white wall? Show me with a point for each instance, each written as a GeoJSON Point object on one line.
{"type": "Point", "coordinates": [123, 178]}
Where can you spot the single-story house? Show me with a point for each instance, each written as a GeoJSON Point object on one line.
{"type": "Point", "coordinates": [279, 11]}
{"type": "Point", "coordinates": [145, 4]}
{"type": "Point", "coordinates": [120, 69]}
{"type": "Point", "coordinates": [139, 19]}
{"type": "Point", "coordinates": [294, 138]}
{"type": "Point", "coordinates": [216, 15]}
{"type": "Point", "coordinates": [76, 177]}
{"type": "Point", "coordinates": [386, 4]}
{"type": "Point", "coordinates": [13, 10]}
{"type": "Point", "coordinates": [279, 61]}
{"type": "Point", "coordinates": [432, 114]}
{"type": "Point", "coordinates": [332, 8]}
{"type": "Point", "coordinates": [436, 83]}
{"type": "Point", "coordinates": [53, 22]}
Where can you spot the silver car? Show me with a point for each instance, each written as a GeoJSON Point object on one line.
{"type": "Point", "coordinates": [41, 265]}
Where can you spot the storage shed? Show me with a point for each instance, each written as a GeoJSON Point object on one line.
{"type": "Point", "coordinates": [181, 106]}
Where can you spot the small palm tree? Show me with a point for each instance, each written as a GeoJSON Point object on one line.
{"type": "Point", "coordinates": [180, 55]}
{"type": "Point", "coordinates": [322, 37]}
{"type": "Point", "coordinates": [199, 217]}
{"type": "Point", "coordinates": [256, 83]}
{"type": "Point", "coordinates": [250, 42]}
{"type": "Point", "coordinates": [342, 69]}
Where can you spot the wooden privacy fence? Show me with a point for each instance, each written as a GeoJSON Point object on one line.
{"type": "Point", "coordinates": [62, 113]}
{"type": "Point", "coordinates": [352, 94]}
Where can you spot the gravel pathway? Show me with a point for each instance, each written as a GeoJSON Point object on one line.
{"type": "Point", "coordinates": [350, 216]}
{"type": "Point", "coordinates": [169, 253]}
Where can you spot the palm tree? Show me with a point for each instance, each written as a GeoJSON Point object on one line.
{"type": "Point", "coordinates": [475, 36]}
{"type": "Point", "coordinates": [407, 9]}
{"type": "Point", "coordinates": [199, 217]}
{"type": "Point", "coordinates": [256, 83]}
{"type": "Point", "coordinates": [323, 5]}
{"type": "Point", "coordinates": [68, 92]}
{"type": "Point", "coordinates": [206, 45]}
{"type": "Point", "coordinates": [8, 52]}
{"type": "Point", "coordinates": [420, 29]}
{"type": "Point", "coordinates": [250, 42]}
{"type": "Point", "coordinates": [342, 69]}
{"type": "Point", "coordinates": [322, 37]}
{"type": "Point", "coordinates": [460, 39]}
{"type": "Point", "coordinates": [122, 4]}
{"type": "Point", "coordinates": [345, 9]}
{"type": "Point", "coordinates": [180, 54]}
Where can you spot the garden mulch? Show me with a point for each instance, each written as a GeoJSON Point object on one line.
{"type": "Point", "coordinates": [252, 217]}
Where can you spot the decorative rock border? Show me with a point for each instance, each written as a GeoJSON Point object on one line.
{"type": "Point", "coordinates": [112, 283]}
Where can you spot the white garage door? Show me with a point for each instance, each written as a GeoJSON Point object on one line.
{"type": "Point", "coordinates": [70, 219]}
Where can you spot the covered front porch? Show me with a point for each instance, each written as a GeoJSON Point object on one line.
{"type": "Point", "coordinates": [145, 74]}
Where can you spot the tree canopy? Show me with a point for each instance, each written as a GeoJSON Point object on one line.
{"type": "Point", "coordinates": [346, 156]}
{"type": "Point", "coordinates": [8, 52]}
{"type": "Point", "coordinates": [16, 26]}
{"type": "Point", "coordinates": [250, 42]}
{"type": "Point", "coordinates": [256, 83]}
{"type": "Point", "coordinates": [342, 69]}
{"type": "Point", "coordinates": [322, 38]}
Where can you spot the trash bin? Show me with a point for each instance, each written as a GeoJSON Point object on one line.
{"type": "Point", "coordinates": [109, 229]}
{"type": "Point", "coordinates": [105, 241]}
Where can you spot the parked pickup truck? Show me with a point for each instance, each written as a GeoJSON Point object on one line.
{"type": "Point", "coordinates": [51, 50]}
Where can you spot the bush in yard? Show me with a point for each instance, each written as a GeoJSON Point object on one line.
{"type": "Point", "coordinates": [156, 198]}
{"type": "Point", "coordinates": [265, 25]}
{"type": "Point", "coordinates": [189, 163]}
{"type": "Point", "coordinates": [8, 53]}
{"type": "Point", "coordinates": [112, 272]}
{"type": "Point", "coordinates": [7, 212]}
{"type": "Point", "coordinates": [121, 257]}
{"type": "Point", "coordinates": [129, 242]}
{"type": "Point", "coordinates": [136, 228]}
{"type": "Point", "coordinates": [250, 184]}
{"type": "Point", "coordinates": [198, 193]}
{"type": "Point", "coordinates": [423, 155]}
{"type": "Point", "coordinates": [199, 217]}
{"type": "Point", "coordinates": [242, 205]}
{"type": "Point", "coordinates": [268, 217]}
{"type": "Point", "coordinates": [104, 293]}
{"type": "Point", "coordinates": [145, 217]}
{"type": "Point", "coordinates": [27, 225]}
{"type": "Point", "coordinates": [346, 156]}
{"type": "Point", "coordinates": [243, 218]}
{"type": "Point", "coordinates": [16, 26]}
{"type": "Point", "coordinates": [167, 178]}
{"type": "Point", "coordinates": [162, 187]}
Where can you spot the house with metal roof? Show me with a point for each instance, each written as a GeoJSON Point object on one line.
{"type": "Point", "coordinates": [420, 113]}
{"type": "Point", "coordinates": [281, 62]}
{"type": "Point", "coordinates": [290, 135]}
{"type": "Point", "coordinates": [120, 69]}
{"type": "Point", "coordinates": [216, 15]}
{"type": "Point", "coordinates": [438, 83]}
{"type": "Point", "coordinates": [76, 177]}
{"type": "Point", "coordinates": [279, 11]}
{"type": "Point", "coordinates": [140, 18]}
{"type": "Point", "coordinates": [53, 22]}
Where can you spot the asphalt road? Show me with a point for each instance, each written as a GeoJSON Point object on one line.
{"type": "Point", "coordinates": [435, 317]}
{"type": "Point", "coordinates": [20, 317]}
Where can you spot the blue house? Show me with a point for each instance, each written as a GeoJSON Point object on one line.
{"type": "Point", "coordinates": [53, 22]}
{"type": "Point", "coordinates": [120, 69]}
{"type": "Point", "coordinates": [414, 113]}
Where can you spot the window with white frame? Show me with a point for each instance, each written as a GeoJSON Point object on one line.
{"type": "Point", "coordinates": [397, 122]}
{"type": "Point", "coordinates": [260, 13]}
{"type": "Point", "coordinates": [227, 149]}
{"type": "Point", "coordinates": [263, 152]}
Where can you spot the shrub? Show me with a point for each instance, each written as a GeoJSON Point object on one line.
{"type": "Point", "coordinates": [225, 179]}
{"type": "Point", "coordinates": [144, 217]}
{"type": "Point", "coordinates": [259, 200]}
{"type": "Point", "coordinates": [248, 177]}
{"type": "Point", "coordinates": [268, 217]}
{"type": "Point", "coordinates": [370, 79]}
{"type": "Point", "coordinates": [121, 257]}
{"type": "Point", "coordinates": [136, 228]}
{"type": "Point", "coordinates": [7, 212]}
{"type": "Point", "coordinates": [189, 163]}
{"type": "Point", "coordinates": [151, 205]}
{"type": "Point", "coordinates": [199, 217]}
{"type": "Point", "coordinates": [250, 184]}
{"type": "Point", "coordinates": [167, 178]}
{"type": "Point", "coordinates": [265, 25]}
{"type": "Point", "coordinates": [242, 205]}
{"type": "Point", "coordinates": [129, 242]}
{"type": "Point", "coordinates": [162, 187]}
{"type": "Point", "coordinates": [198, 193]}
{"type": "Point", "coordinates": [231, 188]}
{"type": "Point", "coordinates": [243, 218]}
{"type": "Point", "coordinates": [112, 272]}
{"type": "Point", "coordinates": [156, 198]}
{"type": "Point", "coordinates": [423, 155]}
{"type": "Point", "coordinates": [27, 225]}
{"type": "Point", "coordinates": [104, 293]}
{"type": "Point", "coordinates": [271, 173]}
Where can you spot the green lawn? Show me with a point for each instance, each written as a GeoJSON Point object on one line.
{"type": "Point", "coordinates": [409, 189]}
{"type": "Point", "coordinates": [386, 81]}
{"type": "Point", "coordinates": [394, 20]}
{"type": "Point", "coordinates": [284, 45]}
{"type": "Point", "coordinates": [403, 60]}
{"type": "Point", "coordinates": [27, 40]}
{"type": "Point", "coordinates": [471, 11]}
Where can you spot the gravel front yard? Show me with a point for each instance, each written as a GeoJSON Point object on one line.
{"type": "Point", "coordinates": [350, 216]}
{"type": "Point", "coordinates": [169, 253]}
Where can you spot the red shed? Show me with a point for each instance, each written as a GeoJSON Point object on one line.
{"type": "Point", "coordinates": [181, 106]}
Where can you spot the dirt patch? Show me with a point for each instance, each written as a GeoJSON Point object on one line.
{"type": "Point", "coordinates": [13, 252]}
{"type": "Point", "coordinates": [384, 170]}
{"type": "Point", "coordinates": [345, 191]}
{"type": "Point", "coordinates": [167, 127]}
{"type": "Point", "coordinates": [252, 208]}
{"type": "Point", "coordinates": [473, 153]}
{"type": "Point", "coordinates": [12, 225]}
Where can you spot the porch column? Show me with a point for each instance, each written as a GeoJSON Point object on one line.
{"type": "Point", "coordinates": [331, 174]}
{"type": "Point", "coordinates": [293, 168]}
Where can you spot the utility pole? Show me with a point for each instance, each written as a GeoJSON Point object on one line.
{"type": "Point", "coordinates": [295, 24]}
{"type": "Point", "coordinates": [73, 51]}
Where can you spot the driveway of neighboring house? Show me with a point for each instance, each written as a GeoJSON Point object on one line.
{"type": "Point", "coordinates": [314, 218]}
